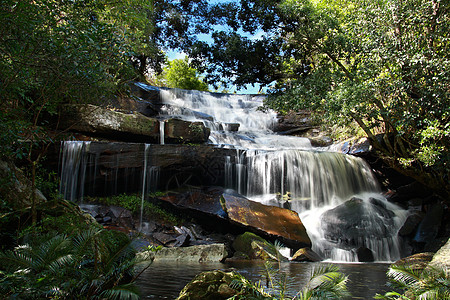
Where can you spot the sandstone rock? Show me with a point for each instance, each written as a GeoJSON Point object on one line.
{"type": "Point", "coordinates": [429, 227]}
{"type": "Point", "coordinates": [16, 187]}
{"type": "Point", "coordinates": [306, 254]}
{"type": "Point", "coordinates": [131, 127]}
{"type": "Point", "coordinates": [211, 285]}
{"type": "Point", "coordinates": [197, 253]}
{"type": "Point", "coordinates": [271, 222]}
{"type": "Point", "coordinates": [278, 223]}
{"type": "Point", "coordinates": [255, 247]}
{"type": "Point", "coordinates": [442, 258]}
{"type": "Point", "coordinates": [416, 261]}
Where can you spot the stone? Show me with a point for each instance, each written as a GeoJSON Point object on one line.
{"type": "Point", "coordinates": [15, 188]}
{"type": "Point", "coordinates": [346, 223]}
{"type": "Point", "coordinates": [442, 257]}
{"type": "Point", "coordinates": [412, 221]}
{"type": "Point", "coordinates": [180, 132]}
{"type": "Point", "coordinates": [129, 127]}
{"type": "Point", "coordinates": [416, 261]}
{"type": "Point", "coordinates": [211, 285]}
{"type": "Point", "coordinates": [99, 121]}
{"type": "Point", "coordinates": [429, 227]}
{"type": "Point", "coordinates": [255, 247]}
{"type": "Point", "coordinates": [197, 253]}
{"type": "Point", "coordinates": [306, 254]}
{"type": "Point", "coordinates": [277, 223]}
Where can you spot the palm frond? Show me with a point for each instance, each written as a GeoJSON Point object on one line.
{"type": "Point", "coordinates": [124, 291]}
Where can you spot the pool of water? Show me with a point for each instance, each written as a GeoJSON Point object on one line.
{"type": "Point", "coordinates": [164, 280]}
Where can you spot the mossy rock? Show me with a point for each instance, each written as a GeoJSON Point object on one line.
{"type": "Point", "coordinates": [211, 285]}
{"type": "Point", "coordinates": [255, 247]}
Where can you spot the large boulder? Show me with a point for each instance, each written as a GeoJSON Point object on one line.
{"type": "Point", "coordinates": [417, 261]}
{"type": "Point", "coordinates": [347, 223]}
{"type": "Point", "coordinates": [276, 222]}
{"type": "Point", "coordinates": [130, 127]}
{"type": "Point", "coordinates": [226, 210]}
{"type": "Point", "coordinates": [16, 189]}
{"type": "Point", "coordinates": [197, 253]}
{"type": "Point", "coordinates": [442, 258]}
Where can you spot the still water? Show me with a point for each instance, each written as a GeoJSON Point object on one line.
{"type": "Point", "coordinates": [164, 280]}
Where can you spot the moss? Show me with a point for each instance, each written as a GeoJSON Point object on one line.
{"type": "Point", "coordinates": [255, 247]}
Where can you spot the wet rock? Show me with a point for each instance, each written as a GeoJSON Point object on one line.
{"type": "Point", "coordinates": [164, 238]}
{"type": "Point", "coordinates": [251, 246]}
{"type": "Point", "coordinates": [278, 223]}
{"type": "Point", "coordinates": [224, 210]}
{"type": "Point", "coordinates": [429, 227]}
{"type": "Point", "coordinates": [211, 285]}
{"type": "Point", "coordinates": [411, 223]}
{"type": "Point", "coordinates": [356, 218]}
{"type": "Point", "coordinates": [306, 254]}
{"type": "Point", "coordinates": [180, 131]}
{"type": "Point", "coordinates": [364, 254]}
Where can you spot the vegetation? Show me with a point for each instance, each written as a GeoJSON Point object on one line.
{"type": "Point", "coordinates": [94, 264]}
{"type": "Point", "coordinates": [383, 65]}
{"type": "Point", "coordinates": [179, 74]}
{"type": "Point", "coordinates": [429, 283]}
{"type": "Point", "coordinates": [134, 202]}
{"type": "Point", "coordinates": [325, 283]}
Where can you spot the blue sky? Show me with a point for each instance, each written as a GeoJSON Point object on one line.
{"type": "Point", "coordinates": [249, 89]}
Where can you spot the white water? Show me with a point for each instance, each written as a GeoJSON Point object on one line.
{"type": "Point", "coordinates": [273, 169]}
{"type": "Point", "coordinates": [287, 171]}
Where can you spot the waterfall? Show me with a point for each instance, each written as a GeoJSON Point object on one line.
{"type": "Point", "coordinates": [73, 169]}
{"type": "Point", "coordinates": [161, 131]}
{"type": "Point", "coordinates": [288, 172]}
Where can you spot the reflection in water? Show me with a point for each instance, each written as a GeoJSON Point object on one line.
{"type": "Point", "coordinates": [164, 280]}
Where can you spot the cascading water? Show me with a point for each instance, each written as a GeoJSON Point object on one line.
{"type": "Point", "coordinates": [73, 162]}
{"type": "Point", "coordinates": [288, 172]}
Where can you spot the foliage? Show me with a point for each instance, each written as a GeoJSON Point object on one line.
{"type": "Point", "coordinates": [179, 74]}
{"type": "Point", "coordinates": [325, 283]}
{"type": "Point", "coordinates": [429, 283]}
{"type": "Point", "coordinates": [134, 202]}
{"type": "Point", "coordinates": [95, 264]}
{"type": "Point", "coordinates": [381, 64]}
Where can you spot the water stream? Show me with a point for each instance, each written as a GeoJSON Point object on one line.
{"type": "Point", "coordinates": [276, 170]}
{"type": "Point", "coordinates": [288, 172]}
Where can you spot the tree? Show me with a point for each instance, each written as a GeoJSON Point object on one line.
{"type": "Point", "coordinates": [381, 64]}
{"type": "Point", "coordinates": [179, 74]}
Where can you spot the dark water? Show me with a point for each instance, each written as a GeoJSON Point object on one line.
{"type": "Point", "coordinates": [164, 280]}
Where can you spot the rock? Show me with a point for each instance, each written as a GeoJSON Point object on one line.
{"type": "Point", "coordinates": [306, 254]}
{"type": "Point", "coordinates": [442, 258]}
{"type": "Point", "coordinates": [411, 223]}
{"type": "Point", "coordinates": [416, 261]}
{"type": "Point", "coordinates": [15, 188]}
{"type": "Point", "coordinates": [429, 227]}
{"type": "Point", "coordinates": [164, 238]}
{"type": "Point", "coordinates": [356, 218]}
{"type": "Point", "coordinates": [277, 223]}
{"type": "Point", "coordinates": [179, 131]}
{"type": "Point", "coordinates": [222, 209]}
{"type": "Point", "coordinates": [364, 254]}
{"type": "Point", "coordinates": [197, 253]}
{"type": "Point", "coordinates": [99, 121]}
{"type": "Point", "coordinates": [255, 247]}
{"type": "Point", "coordinates": [131, 127]}
{"type": "Point", "coordinates": [211, 285]}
